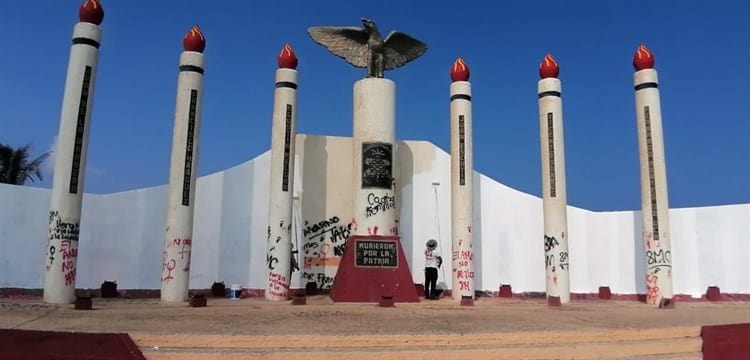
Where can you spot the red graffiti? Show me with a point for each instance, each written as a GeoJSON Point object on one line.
{"type": "Point", "coordinates": [70, 277]}
{"type": "Point", "coordinates": [167, 265]}
{"type": "Point", "coordinates": [183, 253]}
{"type": "Point", "coordinates": [463, 285]}
{"type": "Point", "coordinates": [70, 253]}
{"type": "Point", "coordinates": [652, 291]}
{"type": "Point", "coordinates": [278, 285]}
{"type": "Point", "coordinates": [179, 241]}
{"type": "Point", "coordinates": [67, 266]}
{"type": "Point", "coordinates": [463, 274]}
{"type": "Point", "coordinates": [171, 264]}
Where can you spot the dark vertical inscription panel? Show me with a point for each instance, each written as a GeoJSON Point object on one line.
{"type": "Point", "coordinates": [551, 147]}
{"type": "Point", "coordinates": [651, 175]}
{"type": "Point", "coordinates": [377, 165]}
{"type": "Point", "coordinates": [188, 170]}
{"type": "Point", "coordinates": [75, 170]}
{"type": "Point", "coordinates": [287, 146]}
{"type": "Point", "coordinates": [461, 152]}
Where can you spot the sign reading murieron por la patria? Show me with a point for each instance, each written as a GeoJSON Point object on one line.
{"type": "Point", "coordinates": [376, 253]}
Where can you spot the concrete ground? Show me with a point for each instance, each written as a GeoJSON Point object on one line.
{"type": "Point", "coordinates": [493, 328]}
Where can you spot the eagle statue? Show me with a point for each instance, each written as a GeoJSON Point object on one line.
{"type": "Point", "coordinates": [364, 47]}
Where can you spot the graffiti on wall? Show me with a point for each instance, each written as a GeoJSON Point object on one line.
{"type": "Point", "coordinates": [62, 244]}
{"type": "Point", "coordinates": [324, 243]}
{"type": "Point", "coordinates": [379, 203]}
{"type": "Point", "coordinates": [279, 236]}
{"type": "Point", "coordinates": [554, 257]}
{"type": "Point", "coordinates": [62, 230]}
{"type": "Point", "coordinates": [278, 284]}
{"type": "Point", "coordinates": [652, 289]}
{"type": "Point", "coordinates": [462, 266]}
{"type": "Point", "coordinates": [659, 267]}
{"type": "Point", "coordinates": [178, 251]}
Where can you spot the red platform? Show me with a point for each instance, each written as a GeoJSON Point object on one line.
{"type": "Point", "coordinates": [66, 345]}
{"type": "Point", "coordinates": [726, 342]}
{"type": "Point", "coordinates": [372, 267]}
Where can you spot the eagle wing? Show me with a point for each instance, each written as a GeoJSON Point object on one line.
{"type": "Point", "coordinates": [401, 48]}
{"type": "Point", "coordinates": [348, 43]}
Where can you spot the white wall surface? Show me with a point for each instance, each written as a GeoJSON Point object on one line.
{"type": "Point", "coordinates": [122, 233]}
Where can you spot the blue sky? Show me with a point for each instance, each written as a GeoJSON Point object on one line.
{"type": "Point", "coordinates": [701, 52]}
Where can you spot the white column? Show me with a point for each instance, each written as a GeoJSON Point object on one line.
{"type": "Point", "coordinates": [554, 197]}
{"type": "Point", "coordinates": [175, 274]}
{"type": "Point", "coordinates": [70, 163]}
{"type": "Point", "coordinates": [462, 168]}
{"type": "Point", "coordinates": [281, 194]}
{"type": "Point", "coordinates": [374, 138]}
{"type": "Point", "coordinates": [654, 199]}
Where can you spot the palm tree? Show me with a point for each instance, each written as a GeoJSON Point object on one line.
{"type": "Point", "coordinates": [15, 166]}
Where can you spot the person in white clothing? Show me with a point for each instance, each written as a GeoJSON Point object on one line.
{"type": "Point", "coordinates": [433, 261]}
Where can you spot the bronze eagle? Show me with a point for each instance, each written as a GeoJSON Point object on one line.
{"type": "Point", "coordinates": [364, 47]}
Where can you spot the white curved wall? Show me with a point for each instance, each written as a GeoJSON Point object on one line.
{"type": "Point", "coordinates": [122, 233]}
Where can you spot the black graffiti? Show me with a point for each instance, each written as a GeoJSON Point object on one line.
{"type": "Point", "coordinates": [319, 226]}
{"type": "Point", "coordinates": [60, 230]}
{"type": "Point", "coordinates": [549, 260]}
{"type": "Point", "coordinates": [550, 242]}
{"type": "Point", "coordinates": [340, 233]}
{"type": "Point", "coordinates": [310, 246]}
{"type": "Point", "coordinates": [376, 204]}
{"type": "Point", "coordinates": [322, 280]}
{"type": "Point", "coordinates": [288, 226]}
{"type": "Point", "coordinates": [51, 254]}
{"type": "Point", "coordinates": [271, 259]}
{"type": "Point", "coordinates": [564, 260]}
{"type": "Point", "coordinates": [338, 250]}
{"type": "Point", "coordinates": [659, 257]}
{"type": "Point", "coordinates": [329, 227]}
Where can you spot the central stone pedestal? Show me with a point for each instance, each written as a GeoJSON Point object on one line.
{"type": "Point", "coordinates": [372, 267]}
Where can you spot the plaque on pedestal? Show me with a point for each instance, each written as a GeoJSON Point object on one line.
{"type": "Point", "coordinates": [372, 267]}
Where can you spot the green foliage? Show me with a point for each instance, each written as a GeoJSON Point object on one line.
{"type": "Point", "coordinates": [16, 166]}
